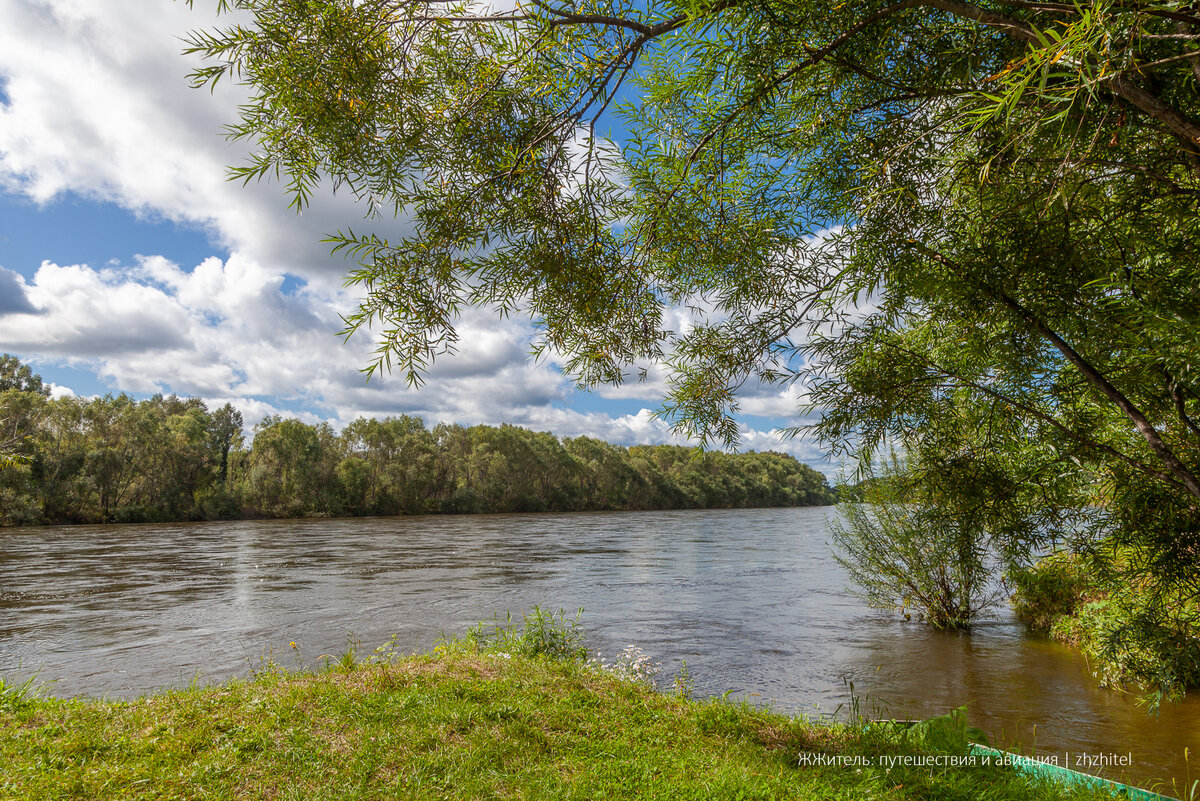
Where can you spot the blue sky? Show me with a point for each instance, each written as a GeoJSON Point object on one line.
{"type": "Point", "coordinates": [129, 264]}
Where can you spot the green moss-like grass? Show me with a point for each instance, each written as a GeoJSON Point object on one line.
{"type": "Point", "coordinates": [460, 723]}
{"type": "Point", "coordinates": [508, 711]}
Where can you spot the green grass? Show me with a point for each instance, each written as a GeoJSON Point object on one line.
{"type": "Point", "coordinates": [469, 720]}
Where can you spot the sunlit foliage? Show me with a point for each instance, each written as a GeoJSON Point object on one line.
{"type": "Point", "coordinates": [967, 228]}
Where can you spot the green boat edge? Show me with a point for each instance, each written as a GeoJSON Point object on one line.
{"type": "Point", "coordinates": [1066, 775]}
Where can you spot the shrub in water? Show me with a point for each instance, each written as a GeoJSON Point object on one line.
{"type": "Point", "coordinates": [913, 555]}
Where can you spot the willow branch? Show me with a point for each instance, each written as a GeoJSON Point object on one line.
{"type": "Point", "coordinates": [1096, 378]}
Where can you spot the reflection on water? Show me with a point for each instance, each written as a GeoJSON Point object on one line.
{"type": "Point", "coordinates": [750, 598]}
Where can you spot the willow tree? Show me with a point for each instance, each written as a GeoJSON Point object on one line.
{"type": "Point", "coordinates": [967, 227]}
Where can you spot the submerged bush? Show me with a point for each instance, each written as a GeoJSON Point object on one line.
{"type": "Point", "coordinates": [903, 557]}
{"type": "Point", "coordinates": [908, 551]}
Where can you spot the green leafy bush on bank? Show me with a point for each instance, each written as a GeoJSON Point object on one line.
{"type": "Point", "coordinates": [1065, 596]}
{"type": "Point", "coordinates": [1051, 589]}
{"type": "Point", "coordinates": [469, 720]}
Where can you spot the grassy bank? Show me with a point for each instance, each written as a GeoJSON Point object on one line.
{"type": "Point", "coordinates": [504, 714]}
{"type": "Point", "coordinates": [1067, 598]}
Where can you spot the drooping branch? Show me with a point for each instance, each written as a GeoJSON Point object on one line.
{"type": "Point", "coordinates": [1032, 411]}
{"type": "Point", "coordinates": [1101, 383]}
{"type": "Point", "coordinates": [1089, 371]}
{"type": "Point", "coordinates": [1098, 380]}
{"type": "Point", "coordinates": [1155, 107]}
{"type": "Point", "coordinates": [1180, 403]}
{"type": "Point", "coordinates": [1120, 84]}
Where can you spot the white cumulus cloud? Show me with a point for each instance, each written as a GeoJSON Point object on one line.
{"type": "Point", "coordinates": [97, 105]}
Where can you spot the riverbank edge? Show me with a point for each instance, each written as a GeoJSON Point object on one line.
{"type": "Point", "coordinates": [467, 722]}
{"type": "Point", "coordinates": [1062, 597]}
{"type": "Point", "coordinates": [24, 527]}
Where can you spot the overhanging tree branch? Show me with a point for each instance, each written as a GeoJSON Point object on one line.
{"type": "Point", "coordinates": [1093, 375]}
{"type": "Point", "coordinates": [1038, 414]}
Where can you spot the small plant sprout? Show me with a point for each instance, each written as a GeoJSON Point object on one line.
{"type": "Point", "coordinates": [384, 653]}
{"type": "Point", "coordinates": [683, 683]}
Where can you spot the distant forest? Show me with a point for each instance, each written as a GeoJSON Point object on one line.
{"type": "Point", "coordinates": [116, 459]}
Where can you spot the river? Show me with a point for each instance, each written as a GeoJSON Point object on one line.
{"type": "Point", "coordinates": [751, 599]}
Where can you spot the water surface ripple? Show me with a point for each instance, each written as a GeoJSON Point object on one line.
{"type": "Point", "coordinates": [751, 599]}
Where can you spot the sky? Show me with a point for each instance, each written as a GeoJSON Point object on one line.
{"type": "Point", "coordinates": [129, 263]}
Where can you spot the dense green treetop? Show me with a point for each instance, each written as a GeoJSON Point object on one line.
{"type": "Point", "coordinates": [20, 388]}
{"type": "Point", "coordinates": [20, 377]}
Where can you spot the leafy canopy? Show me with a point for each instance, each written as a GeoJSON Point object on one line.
{"type": "Point", "coordinates": [596, 163]}
{"type": "Point", "coordinates": [927, 210]}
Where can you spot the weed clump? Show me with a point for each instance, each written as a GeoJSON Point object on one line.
{"type": "Point", "coordinates": [549, 635]}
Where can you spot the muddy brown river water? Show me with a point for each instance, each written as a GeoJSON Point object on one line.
{"type": "Point", "coordinates": [751, 599]}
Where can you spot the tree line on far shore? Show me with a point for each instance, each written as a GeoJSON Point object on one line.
{"type": "Point", "coordinates": [117, 459]}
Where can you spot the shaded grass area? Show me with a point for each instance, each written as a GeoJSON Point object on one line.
{"type": "Point", "coordinates": [470, 720]}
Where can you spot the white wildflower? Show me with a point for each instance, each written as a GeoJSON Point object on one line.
{"type": "Point", "coordinates": [633, 664]}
